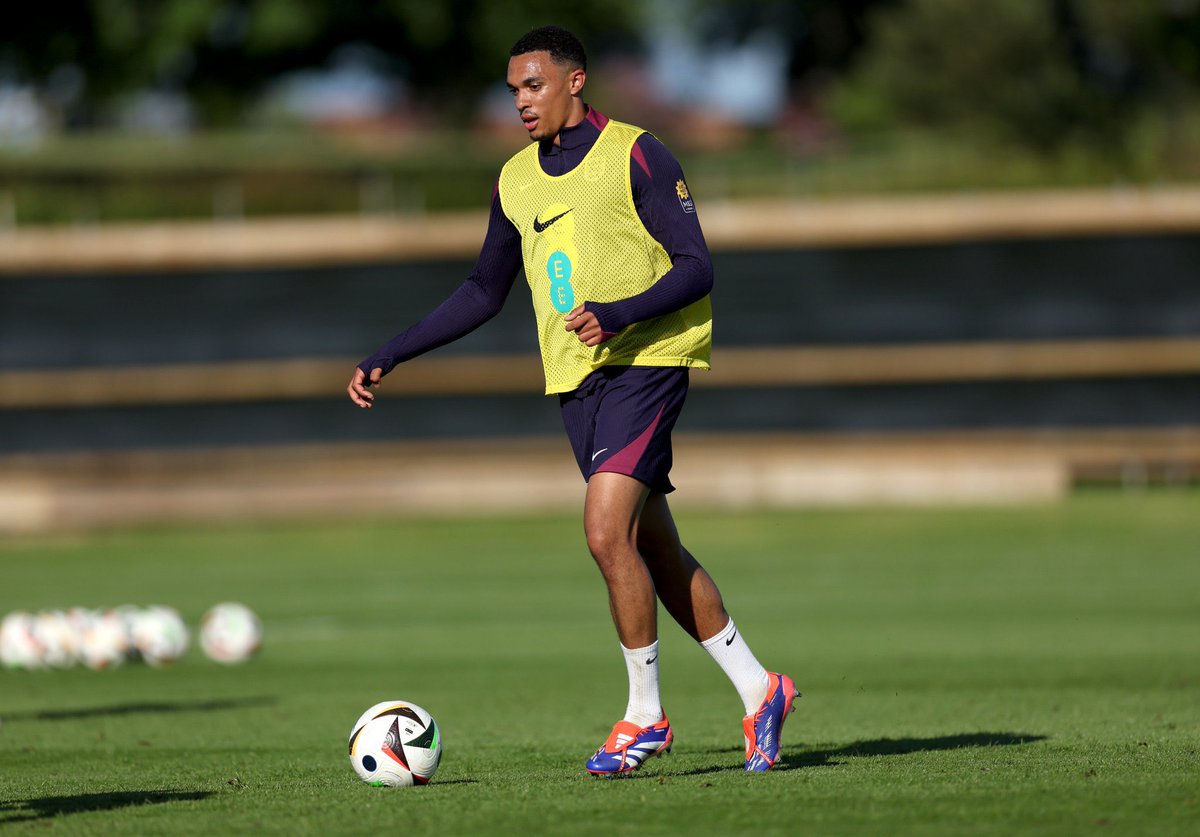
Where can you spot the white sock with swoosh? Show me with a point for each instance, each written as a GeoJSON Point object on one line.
{"type": "Point", "coordinates": [645, 704]}
{"type": "Point", "coordinates": [738, 662]}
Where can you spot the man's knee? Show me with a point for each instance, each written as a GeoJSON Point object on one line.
{"type": "Point", "coordinates": [607, 541]}
{"type": "Point", "coordinates": [614, 503]}
{"type": "Point", "coordinates": [658, 546]}
{"type": "Point", "coordinates": [657, 537]}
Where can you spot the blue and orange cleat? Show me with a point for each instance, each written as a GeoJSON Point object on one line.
{"type": "Point", "coordinates": [764, 727]}
{"type": "Point", "coordinates": [629, 745]}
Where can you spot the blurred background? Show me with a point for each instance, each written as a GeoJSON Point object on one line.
{"type": "Point", "coordinates": [957, 251]}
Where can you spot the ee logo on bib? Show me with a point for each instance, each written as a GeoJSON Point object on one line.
{"type": "Point", "coordinates": [558, 232]}
{"type": "Point", "coordinates": [562, 295]}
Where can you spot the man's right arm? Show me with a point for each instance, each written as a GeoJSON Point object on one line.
{"type": "Point", "coordinates": [476, 301]}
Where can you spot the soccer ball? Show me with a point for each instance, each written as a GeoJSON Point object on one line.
{"type": "Point", "coordinates": [159, 634]}
{"type": "Point", "coordinates": [230, 633]}
{"type": "Point", "coordinates": [19, 647]}
{"type": "Point", "coordinates": [55, 634]}
{"type": "Point", "coordinates": [395, 743]}
{"type": "Point", "coordinates": [105, 640]}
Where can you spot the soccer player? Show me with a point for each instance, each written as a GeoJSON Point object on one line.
{"type": "Point", "coordinates": [599, 215]}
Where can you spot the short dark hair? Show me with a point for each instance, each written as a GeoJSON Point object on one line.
{"type": "Point", "coordinates": [564, 48]}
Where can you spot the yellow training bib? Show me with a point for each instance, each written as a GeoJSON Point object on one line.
{"type": "Point", "coordinates": [582, 241]}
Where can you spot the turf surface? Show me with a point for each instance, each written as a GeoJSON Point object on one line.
{"type": "Point", "coordinates": [964, 671]}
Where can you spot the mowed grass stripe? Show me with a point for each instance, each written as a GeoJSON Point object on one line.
{"type": "Point", "coordinates": [994, 671]}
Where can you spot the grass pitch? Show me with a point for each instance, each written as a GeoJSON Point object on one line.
{"type": "Point", "coordinates": [978, 671]}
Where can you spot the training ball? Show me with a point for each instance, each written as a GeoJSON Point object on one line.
{"type": "Point", "coordinates": [395, 744]}
{"type": "Point", "coordinates": [159, 635]}
{"type": "Point", "coordinates": [55, 633]}
{"type": "Point", "coordinates": [19, 647]}
{"type": "Point", "coordinates": [230, 633]}
{"type": "Point", "coordinates": [105, 640]}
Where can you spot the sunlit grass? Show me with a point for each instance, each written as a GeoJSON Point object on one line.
{"type": "Point", "coordinates": [995, 670]}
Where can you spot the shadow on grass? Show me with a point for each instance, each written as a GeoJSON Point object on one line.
{"type": "Point", "coordinates": [48, 807]}
{"type": "Point", "coordinates": [904, 747]}
{"type": "Point", "coordinates": [876, 747]}
{"type": "Point", "coordinates": [144, 708]}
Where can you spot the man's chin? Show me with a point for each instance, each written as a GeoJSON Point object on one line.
{"type": "Point", "coordinates": [541, 134]}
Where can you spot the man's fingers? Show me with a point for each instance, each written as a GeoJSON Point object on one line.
{"type": "Point", "coordinates": [576, 319]}
{"type": "Point", "coordinates": [580, 321]}
{"type": "Point", "coordinates": [376, 376]}
{"type": "Point", "coordinates": [358, 393]}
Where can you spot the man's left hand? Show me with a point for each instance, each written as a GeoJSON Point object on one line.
{"type": "Point", "coordinates": [586, 327]}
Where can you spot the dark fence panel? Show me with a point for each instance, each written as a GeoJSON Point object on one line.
{"type": "Point", "coordinates": [1074, 288]}
{"type": "Point", "coordinates": [1129, 286]}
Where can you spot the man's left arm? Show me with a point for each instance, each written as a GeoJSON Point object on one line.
{"type": "Point", "coordinates": [666, 209]}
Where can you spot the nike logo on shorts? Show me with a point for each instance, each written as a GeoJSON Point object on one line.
{"type": "Point", "coordinates": [597, 453]}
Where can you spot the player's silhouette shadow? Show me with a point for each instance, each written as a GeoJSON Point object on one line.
{"type": "Point", "coordinates": [794, 757]}
{"type": "Point", "coordinates": [48, 807]}
{"type": "Point", "coordinates": [143, 708]}
{"type": "Point", "coordinates": [903, 747]}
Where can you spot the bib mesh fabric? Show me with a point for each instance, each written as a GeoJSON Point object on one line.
{"type": "Point", "coordinates": [582, 241]}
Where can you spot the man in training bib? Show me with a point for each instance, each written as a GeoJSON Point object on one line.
{"type": "Point", "coordinates": [599, 215]}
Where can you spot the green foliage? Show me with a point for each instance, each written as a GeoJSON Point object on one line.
{"type": "Point", "coordinates": [1045, 76]}
{"type": "Point", "coordinates": [222, 52]}
{"type": "Point", "coordinates": [996, 66]}
{"type": "Point", "coordinates": [1003, 671]}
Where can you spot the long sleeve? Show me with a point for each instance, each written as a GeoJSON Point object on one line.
{"type": "Point", "coordinates": [479, 298]}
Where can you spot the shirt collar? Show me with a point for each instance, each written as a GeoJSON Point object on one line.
{"type": "Point", "coordinates": [584, 133]}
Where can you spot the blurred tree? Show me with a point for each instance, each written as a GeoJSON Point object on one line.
{"type": "Point", "coordinates": [1042, 74]}
{"type": "Point", "coordinates": [222, 52]}
{"type": "Point", "coordinates": [827, 34]}
{"type": "Point", "coordinates": [823, 34]}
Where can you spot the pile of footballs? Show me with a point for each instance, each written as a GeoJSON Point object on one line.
{"type": "Point", "coordinates": [107, 638]}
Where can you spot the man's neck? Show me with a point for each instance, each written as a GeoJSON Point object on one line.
{"type": "Point", "coordinates": [578, 114]}
{"type": "Point", "coordinates": [578, 132]}
{"type": "Point", "coordinates": [572, 143]}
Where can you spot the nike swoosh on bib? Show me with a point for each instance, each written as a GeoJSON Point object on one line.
{"type": "Point", "coordinates": [539, 227]}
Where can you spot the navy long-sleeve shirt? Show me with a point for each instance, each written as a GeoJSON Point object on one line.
{"type": "Point", "coordinates": [663, 206]}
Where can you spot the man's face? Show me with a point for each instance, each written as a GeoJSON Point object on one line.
{"type": "Point", "coordinates": [544, 93]}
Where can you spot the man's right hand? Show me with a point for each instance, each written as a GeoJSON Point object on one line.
{"type": "Point", "coordinates": [358, 387]}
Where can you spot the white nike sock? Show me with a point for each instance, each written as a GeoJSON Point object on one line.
{"type": "Point", "coordinates": [645, 705]}
{"type": "Point", "coordinates": [734, 657]}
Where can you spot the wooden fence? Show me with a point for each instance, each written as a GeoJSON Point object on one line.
{"type": "Point", "coordinates": [44, 491]}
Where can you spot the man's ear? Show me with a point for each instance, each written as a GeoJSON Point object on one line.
{"type": "Point", "coordinates": [576, 81]}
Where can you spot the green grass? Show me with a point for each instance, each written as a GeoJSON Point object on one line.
{"type": "Point", "coordinates": [964, 671]}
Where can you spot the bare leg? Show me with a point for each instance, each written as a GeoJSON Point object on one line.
{"type": "Point", "coordinates": [685, 588]}
{"type": "Point", "coordinates": [610, 522]}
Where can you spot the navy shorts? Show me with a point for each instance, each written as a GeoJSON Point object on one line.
{"type": "Point", "coordinates": [620, 421]}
